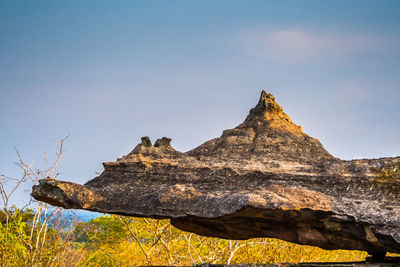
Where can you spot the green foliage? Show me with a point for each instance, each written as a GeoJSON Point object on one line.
{"type": "Point", "coordinates": [104, 229]}
{"type": "Point", "coordinates": [13, 229]}
{"type": "Point", "coordinates": [27, 239]}
{"type": "Point", "coordinates": [390, 173]}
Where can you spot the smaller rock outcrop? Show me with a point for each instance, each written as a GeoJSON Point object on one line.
{"type": "Point", "coordinates": [264, 178]}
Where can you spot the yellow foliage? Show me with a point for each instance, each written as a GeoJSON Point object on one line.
{"type": "Point", "coordinates": [156, 242]}
{"type": "Point", "coordinates": [123, 241]}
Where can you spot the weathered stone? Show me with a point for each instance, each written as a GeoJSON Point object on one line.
{"type": "Point", "coordinates": [264, 178]}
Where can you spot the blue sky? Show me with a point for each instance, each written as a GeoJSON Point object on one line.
{"type": "Point", "coordinates": [110, 72]}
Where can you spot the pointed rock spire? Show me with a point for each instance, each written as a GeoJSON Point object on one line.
{"type": "Point", "coordinates": [267, 111]}
{"type": "Point", "coordinates": [267, 104]}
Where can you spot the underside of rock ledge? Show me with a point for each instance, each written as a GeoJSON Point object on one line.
{"type": "Point", "coordinates": [264, 178]}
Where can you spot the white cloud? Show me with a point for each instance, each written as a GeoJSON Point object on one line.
{"type": "Point", "coordinates": [299, 46]}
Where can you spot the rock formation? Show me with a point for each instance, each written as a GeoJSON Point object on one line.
{"type": "Point", "coordinates": [264, 178]}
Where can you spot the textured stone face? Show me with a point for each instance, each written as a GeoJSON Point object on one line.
{"type": "Point", "coordinates": [264, 178]}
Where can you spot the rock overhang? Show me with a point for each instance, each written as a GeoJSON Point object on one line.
{"type": "Point", "coordinates": [264, 178]}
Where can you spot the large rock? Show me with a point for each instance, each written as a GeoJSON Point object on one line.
{"type": "Point", "coordinates": [264, 178]}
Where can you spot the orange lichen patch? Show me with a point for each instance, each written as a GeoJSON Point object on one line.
{"type": "Point", "coordinates": [290, 198]}
{"type": "Point", "coordinates": [283, 122]}
{"type": "Point", "coordinates": [181, 192]}
{"type": "Point", "coordinates": [147, 160]}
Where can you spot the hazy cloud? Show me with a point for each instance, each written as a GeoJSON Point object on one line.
{"type": "Point", "coordinates": [299, 46]}
{"type": "Point", "coordinates": [352, 93]}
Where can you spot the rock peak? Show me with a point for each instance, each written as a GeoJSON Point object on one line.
{"type": "Point", "coordinates": [265, 96]}
{"type": "Point", "coordinates": [266, 104]}
{"type": "Point", "coordinates": [270, 112]}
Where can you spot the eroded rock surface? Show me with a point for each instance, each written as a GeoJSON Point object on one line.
{"type": "Point", "coordinates": [264, 178]}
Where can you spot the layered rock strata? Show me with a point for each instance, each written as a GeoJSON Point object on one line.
{"type": "Point", "coordinates": [264, 178]}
